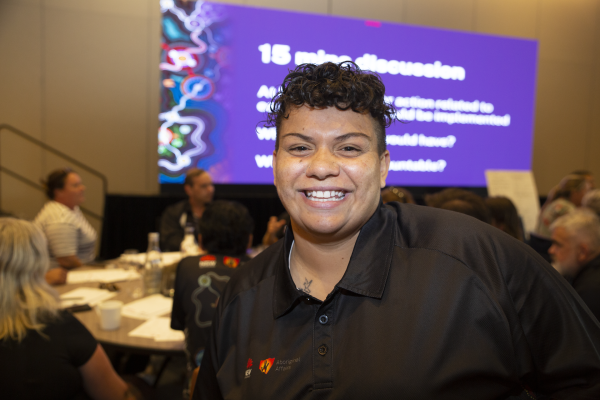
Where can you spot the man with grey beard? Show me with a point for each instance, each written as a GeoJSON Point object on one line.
{"type": "Point", "coordinates": [575, 253]}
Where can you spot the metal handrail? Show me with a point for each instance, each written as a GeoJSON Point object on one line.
{"type": "Point", "coordinates": [51, 149]}
{"type": "Point", "coordinates": [40, 187]}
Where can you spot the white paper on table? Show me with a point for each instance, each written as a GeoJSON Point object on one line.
{"type": "Point", "coordinates": [172, 336]}
{"type": "Point", "coordinates": [102, 275]}
{"type": "Point", "coordinates": [80, 296]}
{"type": "Point", "coordinates": [145, 330]}
{"type": "Point", "coordinates": [148, 307]}
{"type": "Point", "coordinates": [519, 187]}
{"type": "Point", "coordinates": [159, 329]}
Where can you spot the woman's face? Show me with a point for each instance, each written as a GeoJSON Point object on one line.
{"type": "Point", "coordinates": [73, 192]}
{"type": "Point", "coordinates": [328, 172]}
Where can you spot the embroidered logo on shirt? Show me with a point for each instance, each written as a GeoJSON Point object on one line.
{"type": "Point", "coordinates": [208, 261]}
{"type": "Point", "coordinates": [285, 365]}
{"type": "Point", "coordinates": [265, 365]}
{"type": "Point", "coordinates": [231, 262]}
{"type": "Point", "coordinates": [249, 366]}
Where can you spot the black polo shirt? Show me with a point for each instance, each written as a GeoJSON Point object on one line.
{"type": "Point", "coordinates": [199, 282]}
{"type": "Point", "coordinates": [433, 305]}
{"type": "Point", "coordinates": [587, 285]}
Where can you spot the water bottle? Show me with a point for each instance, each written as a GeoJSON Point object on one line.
{"type": "Point", "coordinates": [153, 267]}
{"type": "Point", "coordinates": [188, 245]}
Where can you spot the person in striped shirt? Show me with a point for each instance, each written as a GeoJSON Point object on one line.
{"type": "Point", "coordinates": [71, 238]}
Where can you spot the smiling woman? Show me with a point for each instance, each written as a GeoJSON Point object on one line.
{"type": "Point", "coordinates": [353, 274]}
{"type": "Point", "coordinates": [328, 172]}
{"type": "Point", "coordinates": [329, 164]}
{"type": "Point", "coordinates": [71, 238]}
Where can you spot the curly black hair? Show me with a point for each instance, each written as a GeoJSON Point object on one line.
{"type": "Point", "coordinates": [343, 86]}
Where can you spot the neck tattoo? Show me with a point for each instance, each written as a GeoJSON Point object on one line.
{"type": "Point", "coordinates": [306, 288]}
{"type": "Point", "coordinates": [307, 283]}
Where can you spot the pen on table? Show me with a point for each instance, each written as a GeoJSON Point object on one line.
{"type": "Point", "coordinates": [70, 298]}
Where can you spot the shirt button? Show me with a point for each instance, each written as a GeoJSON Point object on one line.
{"type": "Point", "coordinates": [323, 319]}
{"type": "Point", "coordinates": [322, 350]}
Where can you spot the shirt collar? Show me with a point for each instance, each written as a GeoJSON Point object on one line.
{"type": "Point", "coordinates": [64, 208]}
{"type": "Point", "coordinates": [367, 271]}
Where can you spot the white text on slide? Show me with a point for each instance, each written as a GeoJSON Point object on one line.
{"type": "Point", "coordinates": [266, 133]}
{"type": "Point", "coordinates": [263, 106]}
{"type": "Point", "coordinates": [280, 54]}
{"type": "Point", "coordinates": [418, 166]}
{"type": "Point", "coordinates": [411, 114]}
{"type": "Point", "coordinates": [264, 161]}
{"type": "Point", "coordinates": [441, 104]}
{"type": "Point", "coordinates": [420, 140]}
{"type": "Point", "coordinates": [268, 92]}
{"type": "Point", "coordinates": [427, 70]}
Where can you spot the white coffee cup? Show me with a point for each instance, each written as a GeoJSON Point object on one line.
{"type": "Point", "coordinates": [109, 313]}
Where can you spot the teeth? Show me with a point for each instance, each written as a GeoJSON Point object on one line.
{"type": "Point", "coordinates": [317, 195]}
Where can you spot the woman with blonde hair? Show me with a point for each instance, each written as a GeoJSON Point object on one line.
{"type": "Point", "coordinates": [45, 353]}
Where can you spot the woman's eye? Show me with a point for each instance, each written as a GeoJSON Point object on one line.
{"type": "Point", "coordinates": [299, 148]}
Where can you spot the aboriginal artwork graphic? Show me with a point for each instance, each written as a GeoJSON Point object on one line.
{"type": "Point", "coordinates": [201, 299]}
{"type": "Point", "coordinates": [192, 58]}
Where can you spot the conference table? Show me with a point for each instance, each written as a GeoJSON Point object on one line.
{"type": "Point", "coordinates": [119, 338]}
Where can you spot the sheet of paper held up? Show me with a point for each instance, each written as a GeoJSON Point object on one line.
{"type": "Point", "coordinates": [158, 329]}
{"type": "Point", "coordinates": [519, 187]}
{"type": "Point", "coordinates": [101, 275]}
{"type": "Point", "coordinates": [80, 296]}
{"type": "Point", "coordinates": [148, 307]}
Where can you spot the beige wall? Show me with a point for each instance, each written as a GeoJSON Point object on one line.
{"type": "Point", "coordinates": [82, 76]}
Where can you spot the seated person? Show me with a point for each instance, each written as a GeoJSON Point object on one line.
{"type": "Point", "coordinates": [225, 233]}
{"type": "Point", "coordinates": [575, 254]}
{"type": "Point", "coordinates": [585, 174]}
{"type": "Point", "coordinates": [398, 194]}
{"type": "Point", "coordinates": [275, 230]}
{"type": "Point", "coordinates": [591, 200]}
{"type": "Point", "coordinates": [44, 353]}
{"type": "Point", "coordinates": [505, 216]}
{"type": "Point", "coordinates": [199, 188]}
{"type": "Point", "coordinates": [462, 201]}
{"type": "Point", "coordinates": [71, 238]}
{"type": "Point", "coordinates": [566, 198]}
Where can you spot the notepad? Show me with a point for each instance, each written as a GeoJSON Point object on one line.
{"type": "Point", "coordinates": [102, 275]}
{"type": "Point", "coordinates": [158, 329]}
{"type": "Point", "coordinates": [80, 296]}
{"type": "Point", "coordinates": [148, 307]}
